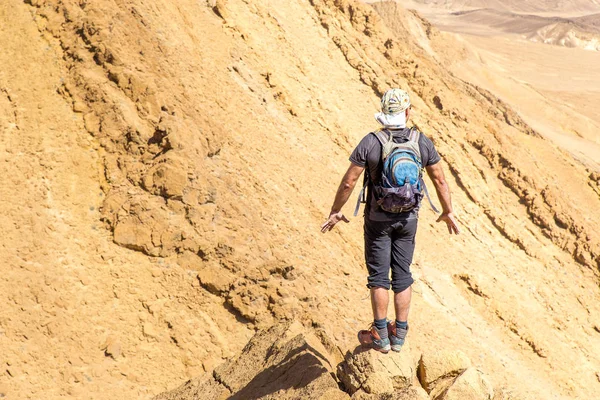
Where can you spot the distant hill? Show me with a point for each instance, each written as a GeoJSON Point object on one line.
{"type": "Point", "coordinates": [543, 6]}
{"type": "Point", "coordinates": [583, 32]}
{"type": "Point", "coordinates": [590, 20]}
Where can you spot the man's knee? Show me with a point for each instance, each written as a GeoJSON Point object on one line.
{"type": "Point", "coordinates": [401, 284]}
{"type": "Point", "coordinates": [378, 281]}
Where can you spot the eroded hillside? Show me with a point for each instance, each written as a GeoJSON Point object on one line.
{"type": "Point", "coordinates": [206, 140]}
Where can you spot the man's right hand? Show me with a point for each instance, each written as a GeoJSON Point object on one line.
{"type": "Point", "coordinates": [334, 218]}
{"type": "Point", "coordinates": [448, 218]}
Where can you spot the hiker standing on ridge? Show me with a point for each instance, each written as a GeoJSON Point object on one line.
{"type": "Point", "coordinates": [394, 157]}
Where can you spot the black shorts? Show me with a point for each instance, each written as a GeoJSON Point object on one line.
{"type": "Point", "coordinates": [390, 245]}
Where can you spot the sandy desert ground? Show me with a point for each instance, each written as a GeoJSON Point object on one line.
{"type": "Point", "coordinates": [166, 167]}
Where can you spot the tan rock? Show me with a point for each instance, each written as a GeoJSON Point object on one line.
{"type": "Point", "coordinates": [79, 107]}
{"type": "Point", "coordinates": [333, 394]}
{"type": "Point", "coordinates": [504, 393]}
{"type": "Point", "coordinates": [286, 361]}
{"type": "Point", "coordinates": [417, 393]}
{"type": "Point", "coordinates": [436, 367]}
{"type": "Point", "coordinates": [149, 331]}
{"type": "Point", "coordinates": [92, 122]}
{"type": "Point", "coordinates": [440, 386]}
{"type": "Point", "coordinates": [205, 387]}
{"type": "Point", "coordinates": [133, 235]}
{"type": "Point", "coordinates": [378, 383]}
{"type": "Point", "coordinates": [470, 385]}
{"type": "Point", "coordinates": [112, 347]}
{"type": "Point", "coordinates": [215, 278]}
{"type": "Point", "coordinates": [220, 8]}
{"type": "Point", "coordinates": [409, 393]}
{"type": "Point", "coordinates": [166, 180]}
{"type": "Point", "coordinates": [369, 370]}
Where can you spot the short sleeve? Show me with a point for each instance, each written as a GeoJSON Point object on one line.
{"type": "Point", "coordinates": [359, 155]}
{"type": "Point", "coordinates": [429, 153]}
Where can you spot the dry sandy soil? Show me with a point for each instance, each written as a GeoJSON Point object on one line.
{"type": "Point", "coordinates": [167, 166]}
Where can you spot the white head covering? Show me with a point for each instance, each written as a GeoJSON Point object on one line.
{"type": "Point", "coordinates": [393, 109]}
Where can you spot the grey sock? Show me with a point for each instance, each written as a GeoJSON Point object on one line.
{"type": "Point", "coordinates": [383, 333]}
{"type": "Point", "coordinates": [381, 326]}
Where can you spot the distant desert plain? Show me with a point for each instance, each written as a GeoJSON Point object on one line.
{"type": "Point", "coordinates": [542, 58]}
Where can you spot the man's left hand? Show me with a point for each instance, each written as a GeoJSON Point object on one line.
{"type": "Point", "coordinates": [450, 221]}
{"type": "Point", "coordinates": [334, 218]}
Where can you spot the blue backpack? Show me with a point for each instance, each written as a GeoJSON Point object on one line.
{"type": "Point", "coordinates": [401, 187]}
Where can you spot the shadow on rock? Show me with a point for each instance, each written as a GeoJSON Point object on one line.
{"type": "Point", "coordinates": [286, 361]}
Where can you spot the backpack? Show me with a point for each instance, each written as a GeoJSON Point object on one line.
{"type": "Point", "coordinates": [401, 186]}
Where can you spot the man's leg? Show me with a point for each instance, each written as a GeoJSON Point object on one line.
{"type": "Point", "coordinates": [377, 256]}
{"type": "Point", "coordinates": [402, 304]}
{"type": "Point", "coordinates": [379, 301]}
{"type": "Point", "coordinates": [403, 245]}
{"type": "Point", "coordinates": [377, 336]}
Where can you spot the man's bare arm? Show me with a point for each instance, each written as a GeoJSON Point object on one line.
{"type": "Point", "coordinates": [436, 173]}
{"type": "Point", "coordinates": [341, 197]}
{"type": "Point", "coordinates": [346, 187]}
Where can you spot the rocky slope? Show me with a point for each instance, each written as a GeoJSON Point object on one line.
{"type": "Point", "coordinates": [166, 191]}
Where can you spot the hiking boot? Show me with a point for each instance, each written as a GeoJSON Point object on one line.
{"type": "Point", "coordinates": [397, 336]}
{"type": "Point", "coordinates": [371, 339]}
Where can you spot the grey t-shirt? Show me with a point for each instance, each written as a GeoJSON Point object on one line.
{"type": "Point", "coordinates": [368, 154]}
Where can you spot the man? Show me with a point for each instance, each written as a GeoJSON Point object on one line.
{"type": "Point", "coordinates": [390, 236]}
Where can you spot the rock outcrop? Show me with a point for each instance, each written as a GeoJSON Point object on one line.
{"type": "Point", "coordinates": [408, 393]}
{"type": "Point", "coordinates": [286, 361]}
{"type": "Point", "coordinates": [289, 361]}
{"type": "Point", "coordinates": [438, 370]}
{"type": "Point", "coordinates": [448, 375]}
{"type": "Point", "coordinates": [470, 385]}
{"type": "Point", "coordinates": [377, 373]}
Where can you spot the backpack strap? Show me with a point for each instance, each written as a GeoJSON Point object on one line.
{"type": "Point", "coordinates": [414, 135]}
{"type": "Point", "coordinates": [362, 198]}
{"type": "Point", "coordinates": [428, 198]}
{"type": "Point", "coordinates": [383, 136]}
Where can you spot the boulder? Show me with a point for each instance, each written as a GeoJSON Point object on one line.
{"type": "Point", "coordinates": [286, 361]}
{"type": "Point", "coordinates": [131, 234]}
{"type": "Point", "coordinates": [377, 373]}
{"type": "Point", "coordinates": [437, 370]}
{"type": "Point", "coordinates": [470, 385]}
{"type": "Point", "coordinates": [409, 393]}
{"type": "Point", "coordinates": [214, 278]}
{"type": "Point", "coordinates": [168, 179]}
{"type": "Point", "coordinates": [205, 387]}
